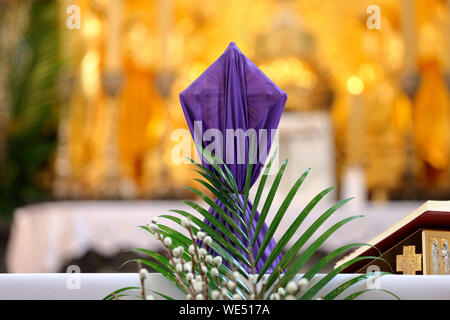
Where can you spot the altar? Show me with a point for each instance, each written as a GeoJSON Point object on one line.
{"type": "Point", "coordinates": [45, 236]}
{"type": "Point", "coordinates": [57, 286]}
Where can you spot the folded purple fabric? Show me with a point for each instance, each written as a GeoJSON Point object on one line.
{"type": "Point", "coordinates": [234, 94]}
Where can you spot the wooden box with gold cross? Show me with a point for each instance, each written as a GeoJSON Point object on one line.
{"type": "Point", "coordinates": [417, 244]}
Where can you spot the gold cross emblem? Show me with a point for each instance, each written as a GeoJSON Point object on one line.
{"type": "Point", "coordinates": [409, 262]}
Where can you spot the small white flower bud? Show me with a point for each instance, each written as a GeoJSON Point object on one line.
{"type": "Point", "coordinates": [189, 276]}
{"type": "Point", "coordinates": [231, 285]}
{"type": "Point", "coordinates": [185, 222]}
{"type": "Point", "coordinates": [181, 250]}
{"type": "Point", "coordinates": [281, 291]}
{"type": "Point", "coordinates": [208, 259]}
{"type": "Point", "coordinates": [217, 261]}
{"type": "Point", "coordinates": [203, 252]}
{"type": "Point", "coordinates": [149, 297]}
{"type": "Point", "coordinates": [143, 273]}
{"type": "Point", "coordinates": [179, 267]}
{"type": "Point", "coordinates": [153, 227]}
{"type": "Point", "coordinates": [237, 297]}
{"type": "Point", "coordinates": [214, 272]}
{"type": "Point", "coordinates": [176, 252]}
{"type": "Point", "coordinates": [215, 294]}
{"type": "Point", "coordinates": [155, 220]}
{"type": "Point", "coordinates": [187, 267]}
{"type": "Point", "coordinates": [191, 249]}
{"type": "Point", "coordinates": [189, 296]}
{"type": "Point", "coordinates": [167, 241]}
{"type": "Point", "coordinates": [199, 297]}
{"type": "Point", "coordinates": [274, 296]}
{"type": "Point", "coordinates": [223, 292]}
{"type": "Point", "coordinates": [208, 240]}
{"type": "Point", "coordinates": [204, 269]}
{"type": "Point", "coordinates": [252, 278]}
{"type": "Point", "coordinates": [292, 287]}
{"type": "Point", "coordinates": [198, 286]}
{"type": "Point", "coordinates": [198, 278]}
{"type": "Point", "coordinates": [302, 283]}
{"type": "Point", "coordinates": [201, 235]}
{"type": "Point", "coordinates": [235, 275]}
{"type": "Point", "coordinates": [290, 297]}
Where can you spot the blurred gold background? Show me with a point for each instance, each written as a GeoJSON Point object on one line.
{"type": "Point", "coordinates": [386, 89]}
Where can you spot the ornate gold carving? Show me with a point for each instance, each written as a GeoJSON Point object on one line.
{"type": "Point", "coordinates": [436, 252]}
{"type": "Point", "coordinates": [409, 262]}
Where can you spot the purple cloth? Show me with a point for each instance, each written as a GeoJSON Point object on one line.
{"type": "Point", "coordinates": [234, 94]}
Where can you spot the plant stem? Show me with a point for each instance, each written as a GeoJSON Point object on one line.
{"type": "Point", "coordinates": [170, 256]}
{"type": "Point", "coordinates": [115, 297]}
{"type": "Point", "coordinates": [197, 255]}
{"type": "Point", "coordinates": [144, 296]}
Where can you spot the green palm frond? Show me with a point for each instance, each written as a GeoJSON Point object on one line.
{"type": "Point", "coordinates": [357, 294]}
{"type": "Point", "coordinates": [33, 72]}
{"type": "Point", "coordinates": [221, 184]}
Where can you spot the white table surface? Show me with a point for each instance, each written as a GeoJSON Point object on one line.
{"type": "Point", "coordinates": [96, 286]}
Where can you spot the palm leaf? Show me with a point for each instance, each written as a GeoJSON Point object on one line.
{"type": "Point", "coordinates": [216, 223]}
{"type": "Point", "coordinates": [163, 295]}
{"type": "Point", "coordinates": [261, 185]}
{"type": "Point", "coordinates": [248, 178]}
{"type": "Point", "coordinates": [111, 295]}
{"type": "Point", "coordinates": [180, 239]}
{"type": "Point", "coordinates": [324, 261]}
{"type": "Point", "coordinates": [167, 274]}
{"type": "Point", "coordinates": [337, 291]}
{"type": "Point", "coordinates": [216, 208]}
{"type": "Point", "coordinates": [226, 243]}
{"type": "Point", "coordinates": [209, 175]}
{"type": "Point", "coordinates": [217, 237]}
{"type": "Point", "coordinates": [219, 189]}
{"type": "Point", "coordinates": [327, 278]}
{"type": "Point", "coordinates": [232, 206]}
{"type": "Point", "coordinates": [225, 173]}
{"type": "Point", "coordinates": [293, 251]}
{"type": "Point", "coordinates": [305, 256]}
{"type": "Point", "coordinates": [280, 214]}
{"type": "Point", "coordinates": [357, 294]}
{"type": "Point", "coordinates": [160, 258]}
{"type": "Point", "coordinates": [268, 202]}
{"type": "Point", "coordinates": [291, 231]}
{"type": "Point", "coordinates": [214, 245]}
{"type": "Point", "coordinates": [32, 66]}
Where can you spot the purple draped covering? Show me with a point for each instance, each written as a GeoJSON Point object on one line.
{"type": "Point", "coordinates": [234, 94]}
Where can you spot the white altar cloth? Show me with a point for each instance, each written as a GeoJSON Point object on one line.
{"type": "Point", "coordinates": [53, 286]}
{"type": "Point", "coordinates": [46, 236]}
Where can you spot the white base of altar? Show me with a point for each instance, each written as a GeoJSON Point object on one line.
{"type": "Point", "coordinates": [92, 286]}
